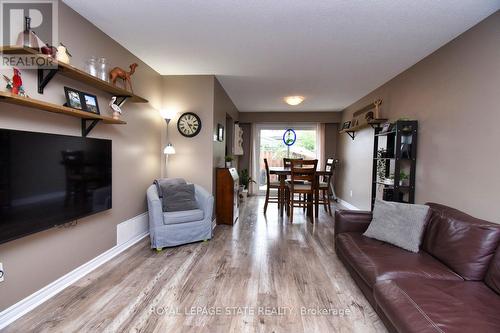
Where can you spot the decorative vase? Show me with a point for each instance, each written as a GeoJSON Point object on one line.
{"type": "Point", "coordinates": [102, 69]}
{"type": "Point", "coordinates": [91, 66]}
{"type": "Point", "coordinates": [26, 37]}
{"type": "Point", "coordinates": [228, 165]}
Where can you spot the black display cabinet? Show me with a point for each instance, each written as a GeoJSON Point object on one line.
{"type": "Point", "coordinates": [394, 161]}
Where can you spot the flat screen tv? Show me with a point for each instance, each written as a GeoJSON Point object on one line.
{"type": "Point", "coordinates": [48, 180]}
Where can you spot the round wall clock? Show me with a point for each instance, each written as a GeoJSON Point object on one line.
{"type": "Point", "coordinates": [189, 124]}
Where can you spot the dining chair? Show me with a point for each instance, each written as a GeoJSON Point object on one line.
{"type": "Point", "coordinates": [287, 162]}
{"type": "Point", "coordinates": [324, 186]}
{"type": "Point", "coordinates": [271, 185]}
{"type": "Point", "coordinates": [302, 182]}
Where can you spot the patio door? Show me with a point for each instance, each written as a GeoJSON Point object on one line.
{"type": "Point", "coordinates": [270, 144]}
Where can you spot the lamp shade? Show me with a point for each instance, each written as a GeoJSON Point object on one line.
{"type": "Point", "coordinates": [168, 114]}
{"type": "Point", "coordinates": [169, 149]}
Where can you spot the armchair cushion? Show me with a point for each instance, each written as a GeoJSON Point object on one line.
{"type": "Point", "coordinates": [179, 197]}
{"type": "Point", "coordinates": [182, 216]}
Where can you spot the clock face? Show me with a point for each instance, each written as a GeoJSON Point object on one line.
{"type": "Point", "coordinates": [189, 124]}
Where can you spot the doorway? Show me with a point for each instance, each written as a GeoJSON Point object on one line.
{"type": "Point", "coordinates": [270, 144]}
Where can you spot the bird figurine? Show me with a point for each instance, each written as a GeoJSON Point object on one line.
{"type": "Point", "coordinates": [117, 111]}
{"type": "Point", "coordinates": [63, 54]}
{"type": "Point", "coordinates": [15, 85]}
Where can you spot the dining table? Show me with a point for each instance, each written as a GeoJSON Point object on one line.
{"type": "Point", "coordinates": [283, 173]}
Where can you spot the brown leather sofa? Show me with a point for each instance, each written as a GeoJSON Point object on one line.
{"type": "Point", "coordinates": [451, 285]}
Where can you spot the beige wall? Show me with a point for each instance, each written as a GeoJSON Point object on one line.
{"type": "Point", "coordinates": [197, 157]}
{"type": "Point", "coordinates": [223, 106]}
{"type": "Point", "coordinates": [34, 261]}
{"type": "Point", "coordinates": [331, 138]}
{"type": "Point", "coordinates": [193, 156]}
{"type": "Point", "coordinates": [454, 94]}
{"type": "Point", "coordinates": [292, 117]}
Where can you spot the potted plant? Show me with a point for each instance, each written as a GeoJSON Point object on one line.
{"type": "Point", "coordinates": [389, 180]}
{"type": "Point", "coordinates": [228, 160]}
{"type": "Point", "coordinates": [245, 180]}
{"type": "Point", "coordinates": [403, 178]}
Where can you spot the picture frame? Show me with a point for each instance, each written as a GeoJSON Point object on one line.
{"type": "Point", "coordinates": [90, 103]}
{"type": "Point", "coordinates": [386, 127]}
{"type": "Point", "coordinates": [346, 125]}
{"type": "Point", "coordinates": [220, 133]}
{"type": "Point", "coordinates": [79, 100]}
{"type": "Point", "coordinates": [73, 98]}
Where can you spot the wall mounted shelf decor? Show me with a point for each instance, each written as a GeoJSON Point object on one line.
{"type": "Point", "coordinates": [45, 75]}
{"type": "Point", "coordinates": [364, 117]}
{"type": "Point", "coordinates": [88, 120]}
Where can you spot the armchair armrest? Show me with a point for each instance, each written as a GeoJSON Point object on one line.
{"type": "Point", "coordinates": [351, 221]}
{"type": "Point", "coordinates": [205, 201]}
{"type": "Point", "coordinates": [155, 210]}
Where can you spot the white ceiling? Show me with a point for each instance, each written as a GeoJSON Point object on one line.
{"type": "Point", "coordinates": [333, 52]}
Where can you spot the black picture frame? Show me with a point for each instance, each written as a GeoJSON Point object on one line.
{"type": "Point", "coordinates": [90, 102]}
{"type": "Point", "coordinates": [220, 133]}
{"type": "Point", "coordinates": [346, 124]}
{"type": "Point", "coordinates": [386, 127]}
{"type": "Point", "coordinates": [83, 101]}
{"type": "Point", "coordinates": [74, 99]}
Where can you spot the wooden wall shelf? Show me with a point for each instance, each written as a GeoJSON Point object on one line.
{"type": "Point", "coordinates": [6, 97]}
{"type": "Point", "coordinates": [352, 131]}
{"type": "Point", "coordinates": [45, 75]}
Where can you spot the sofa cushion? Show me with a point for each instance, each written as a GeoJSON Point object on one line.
{"type": "Point", "coordinates": [179, 197]}
{"type": "Point", "coordinates": [398, 223]}
{"type": "Point", "coordinates": [418, 305]}
{"type": "Point", "coordinates": [183, 216]}
{"type": "Point", "coordinates": [460, 241]}
{"type": "Point", "coordinates": [492, 278]}
{"type": "Point", "coordinates": [375, 261]}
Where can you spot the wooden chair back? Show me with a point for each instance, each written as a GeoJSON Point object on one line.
{"type": "Point", "coordinates": [268, 175]}
{"type": "Point", "coordinates": [303, 170]}
{"type": "Point", "coordinates": [287, 162]}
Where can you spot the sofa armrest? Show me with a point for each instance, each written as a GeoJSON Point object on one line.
{"type": "Point", "coordinates": [155, 210]}
{"type": "Point", "coordinates": [351, 221]}
{"type": "Point", "coordinates": [205, 201]}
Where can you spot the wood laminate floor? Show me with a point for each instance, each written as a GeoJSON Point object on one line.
{"type": "Point", "coordinates": [261, 275]}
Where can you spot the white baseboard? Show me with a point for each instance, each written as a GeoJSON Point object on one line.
{"type": "Point", "coordinates": [132, 228]}
{"type": "Point", "coordinates": [135, 233]}
{"type": "Point", "coordinates": [347, 205]}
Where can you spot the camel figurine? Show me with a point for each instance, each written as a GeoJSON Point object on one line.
{"type": "Point", "coordinates": [117, 72]}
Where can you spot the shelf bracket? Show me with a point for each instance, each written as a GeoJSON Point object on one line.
{"type": "Point", "coordinates": [120, 100]}
{"type": "Point", "coordinates": [44, 77]}
{"type": "Point", "coordinates": [86, 129]}
{"type": "Point", "coordinates": [351, 134]}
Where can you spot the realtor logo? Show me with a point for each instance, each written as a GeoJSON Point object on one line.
{"type": "Point", "coordinates": [27, 28]}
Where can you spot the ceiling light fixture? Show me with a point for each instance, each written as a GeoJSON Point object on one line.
{"type": "Point", "coordinates": [294, 100]}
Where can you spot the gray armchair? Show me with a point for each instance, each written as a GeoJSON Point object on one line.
{"type": "Point", "coordinates": [176, 228]}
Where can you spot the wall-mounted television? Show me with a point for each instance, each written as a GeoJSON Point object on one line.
{"type": "Point", "coordinates": [48, 180]}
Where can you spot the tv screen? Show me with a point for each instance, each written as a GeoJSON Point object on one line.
{"type": "Point", "coordinates": [48, 179]}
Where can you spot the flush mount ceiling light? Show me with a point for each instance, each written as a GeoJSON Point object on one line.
{"type": "Point", "coordinates": [294, 100]}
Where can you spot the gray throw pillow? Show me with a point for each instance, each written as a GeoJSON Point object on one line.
{"type": "Point", "coordinates": [178, 197]}
{"type": "Point", "coordinates": [399, 224]}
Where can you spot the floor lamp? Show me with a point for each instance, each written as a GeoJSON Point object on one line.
{"type": "Point", "coordinates": [169, 148]}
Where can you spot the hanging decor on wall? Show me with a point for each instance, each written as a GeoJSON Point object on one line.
{"type": "Point", "coordinates": [289, 137]}
{"type": "Point", "coordinates": [189, 124]}
{"type": "Point", "coordinates": [238, 140]}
